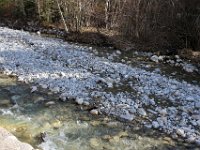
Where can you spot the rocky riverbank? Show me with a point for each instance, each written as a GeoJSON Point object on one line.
{"type": "Point", "coordinates": [127, 92]}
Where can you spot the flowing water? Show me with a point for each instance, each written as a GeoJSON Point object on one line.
{"type": "Point", "coordinates": [66, 126]}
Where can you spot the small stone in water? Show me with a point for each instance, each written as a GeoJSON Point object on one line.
{"type": "Point", "coordinates": [94, 112]}
{"type": "Point", "coordinates": [39, 99]}
{"type": "Point", "coordinates": [50, 103]}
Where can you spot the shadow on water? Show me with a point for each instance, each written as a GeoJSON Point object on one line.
{"type": "Point", "coordinates": [69, 126]}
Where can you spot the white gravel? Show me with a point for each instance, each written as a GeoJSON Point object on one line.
{"type": "Point", "coordinates": [76, 73]}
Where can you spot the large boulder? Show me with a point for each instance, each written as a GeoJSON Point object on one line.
{"type": "Point", "coordinates": [9, 142]}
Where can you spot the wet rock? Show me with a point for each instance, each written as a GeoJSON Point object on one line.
{"type": "Point", "coordinates": [106, 137]}
{"type": "Point", "coordinates": [123, 134]}
{"type": "Point", "coordinates": [4, 102]}
{"type": "Point", "coordinates": [10, 142]}
{"type": "Point", "coordinates": [94, 112]}
{"type": "Point", "coordinates": [114, 139]}
{"type": "Point", "coordinates": [50, 103]}
{"type": "Point", "coordinates": [56, 124]}
{"type": "Point", "coordinates": [15, 98]}
{"type": "Point", "coordinates": [39, 99]}
{"type": "Point", "coordinates": [94, 143]}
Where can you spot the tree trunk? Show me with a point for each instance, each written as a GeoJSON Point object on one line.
{"type": "Point", "coordinates": [62, 17]}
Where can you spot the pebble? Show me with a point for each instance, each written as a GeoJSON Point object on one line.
{"type": "Point", "coordinates": [155, 124]}
{"type": "Point", "coordinates": [180, 132]}
{"type": "Point", "coordinates": [33, 89]}
{"type": "Point", "coordinates": [163, 112]}
{"type": "Point", "coordinates": [94, 142]}
{"type": "Point", "coordinates": [197, 105]}
{"type": "Point", "coordinates": [142, 112]}
{"type": "Point", "coordinates": [112, 124]}
{"type": "Point", "coordinates": [39, 99]}
{"type": "Point", "coordinates": [79, 101]}
{"type": "Point", "coordinates": [50, 103]}
{"type": "Point", "coordinates": [94, 112]}
{"type": "Point", "coordinates": [127, 116]}
{"type": "Point", "coordinates": [190, 139]}
{"type": "Point", "coordinates": [155, 58]}
{"type": "Point", "coordinates": [56, 124]}
{"type": "Point", "coordinates": [86, 103]}
{"type": "Point", "coordinates": [198, 123]}
{"type": "Point", "coordinates": [197, 142]}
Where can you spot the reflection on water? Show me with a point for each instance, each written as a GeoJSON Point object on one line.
{"type": "Point", "coordinates": [66, 126]}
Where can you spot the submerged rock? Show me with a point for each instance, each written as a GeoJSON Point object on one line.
{"type": "Point", "coordinates": [4, 102]}
{"type": "Point", "coordinates": [50, 103]}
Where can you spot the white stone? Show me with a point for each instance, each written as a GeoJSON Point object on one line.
{"type": "Point", "coordinates": [79, 101]}
{"type": "Point", "coordinates": [155, 58]}
{"type": "Point", "coordinates": [34, 88]}
{"type": "Point", "coordinates": [163, 112]}
{"type": "Point", "coordinates": [94, 112]}
{"type": "Point", "coordinates": [155, 124]}
{"type": "Point", "coordinates": [197, 104]}
{"type": "Point", "coordinates": [180, 132]}
{"type": "Point", "coordinates": [142, 112]}
{"type": "Point", "coordinates": [190, 139]}
{"type": "Point", "coordinates": [50, 103]}
{"type": "Point", "coordinates": [127, 116]}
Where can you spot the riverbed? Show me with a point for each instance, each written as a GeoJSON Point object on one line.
{"type": "Point", "coordinates": [149, 97]}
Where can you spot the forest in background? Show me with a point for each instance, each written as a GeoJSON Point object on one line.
{"type": "Point", "coordinates": [169, 24]}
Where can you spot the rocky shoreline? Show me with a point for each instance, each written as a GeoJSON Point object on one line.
{"type": "Point", "coordinates": [157, 101]}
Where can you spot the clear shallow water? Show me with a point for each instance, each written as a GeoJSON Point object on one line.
{"type": "Point", "coordinates": [66, 126]}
